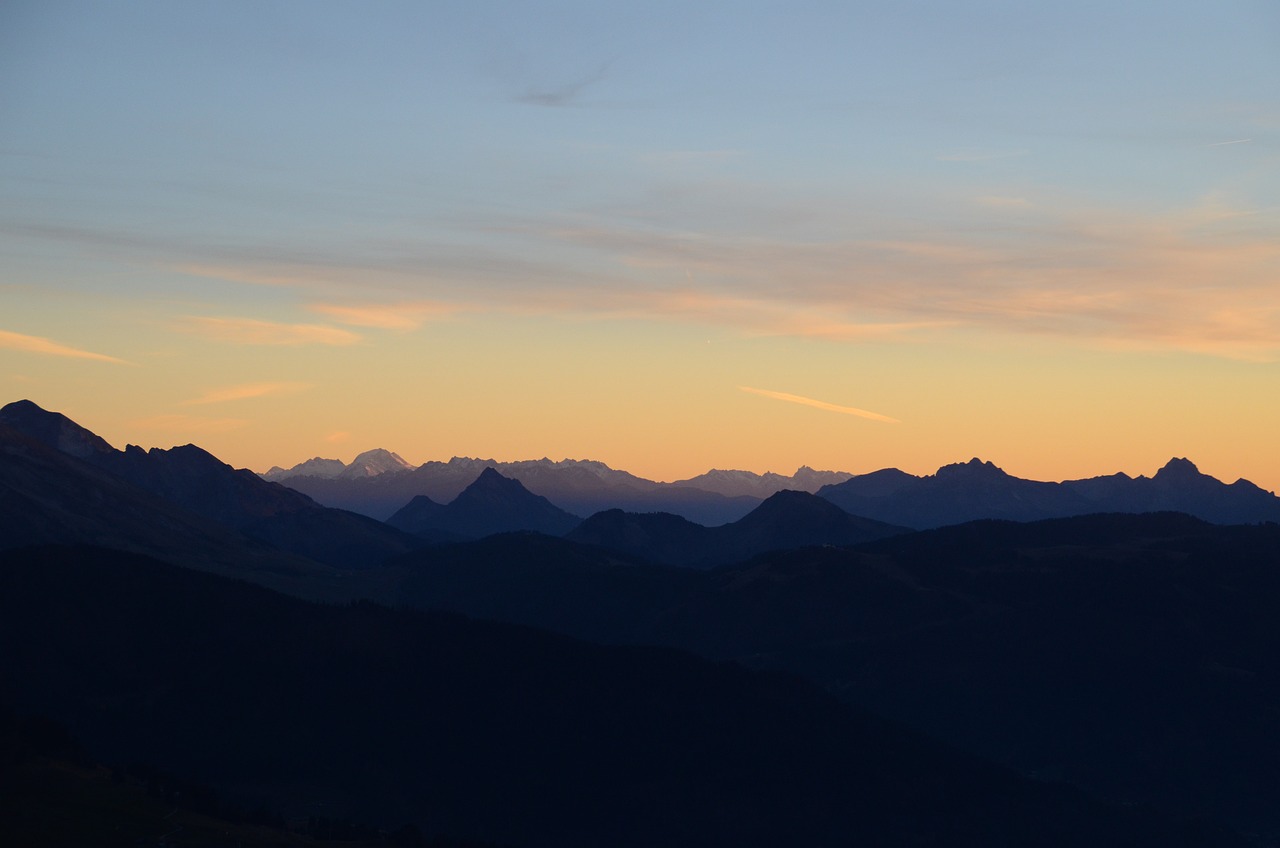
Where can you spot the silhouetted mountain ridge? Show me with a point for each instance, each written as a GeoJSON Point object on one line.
{"type": "Point", "coordinates": [976, 490]}
{"type": "Point", "coordinates": [194, 480]}
{"type": "Point", "coordinates": [785, 519]}
{"type": "Point", "coordinates": [580, 487]}
{"type": "Point", "coordinates": [491, 504]}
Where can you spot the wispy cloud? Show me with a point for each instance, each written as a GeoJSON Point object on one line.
{"type": "Point", "coordinates": [48, 347]}
{"type": "Point", "coordinates": [1094, 275]}
{"type": "Point", "coordinates": [255, 332]}
{"type": "Point", "coordinates": [1234, 141]}
{"type": "Point", "coordinates": [188, 424]}
{"type": "Point", "coordinates": [337, 437]}
{"type": "Point", "coordinates": [564, 95]}
{"type": "Point", "coordinates": [245, 391]}
{"type": "Point", "coordinates": [393, 316]}
{"type": "Point", "coordinates": [821, 404]}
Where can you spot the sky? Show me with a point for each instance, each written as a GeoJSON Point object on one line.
{"type": "Point", "coordinates": [665, 236]}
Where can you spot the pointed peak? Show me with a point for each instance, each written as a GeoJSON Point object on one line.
{"type": "Point", "coordinates": [492, 475]}
{"type": "Point", "coordinates": [491, 483]}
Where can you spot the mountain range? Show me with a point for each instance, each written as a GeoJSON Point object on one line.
{"type": "Point", "coordinates": [956, 493]}
{"type": "Point", "coordinates": [976, 490]}
{"type": "Point", "coordinates": [580, 487]}
{"type": "Point", "coordinates": [1102, 679]}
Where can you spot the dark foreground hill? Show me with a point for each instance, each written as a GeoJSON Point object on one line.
{"type": "Point", "coordinates": [1134, 655]}
{"type": "Point", "coordinates": [489, 731]}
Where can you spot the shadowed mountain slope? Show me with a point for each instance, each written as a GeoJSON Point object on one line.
{"type": "Point", "coordinates": [197, 482]}
{"type": "Point", "coordinates": [49, 497]}
{"type": "Point", "coordinates": [499, 733]}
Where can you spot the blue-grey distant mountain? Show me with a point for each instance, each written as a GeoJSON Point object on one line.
{"type": "Point", "coordinates": [317, 466]}
{"type": "Point", "coordinates": [198, 482]}
{"type": "Point", "coordinates": [491, 504]}
{"type": "Point", "coordinates": [750, 484]}
{"type": "Point", "coordinates": [786, 519]}
{"type": "Point", "coordinates": [581, 487]}
{"type": "Point", "coordinates": [979, 490]}
{"type": "Point", "coordinates": [1179, 486]}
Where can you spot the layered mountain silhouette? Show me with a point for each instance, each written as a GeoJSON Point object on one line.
{"type": "Point", "coordinates": [784, 520]}
{"type": "Point", "coordinates": [956, 493]}
{"type": "Point", "coordinates": [581, 487]}
{"type": "Point", "coordinates": [197, 482]}
{"type": "Point", "coordinates": [1132, 656]}
{"type": "Point", "coordinates": [492, 732]}
{"type": "Point", "coordinates": [977, 490]}
{"type": "Point", "coordinates": [491, 504]}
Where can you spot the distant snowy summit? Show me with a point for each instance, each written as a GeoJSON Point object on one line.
{"type": "Point", "coordinates": [749, 484]}
{"type": "Point", "coordinates": [371, 463]}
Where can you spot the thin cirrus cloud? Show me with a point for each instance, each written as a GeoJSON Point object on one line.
{"type": "Point", "coordinates": [255, 332]}
{"type": "Point", "coordinates": [48, 347]}
{"type": "Point", "coordinates": [821, 404]}
{"type": "Point", "coordinates": [568, 94]}
{"type": "Point", "coordinates": [246, 391]}
{"type": "Point", "coordinates": [1097, 277]}
{"type": "Point", "coordinates": [395, 316]}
